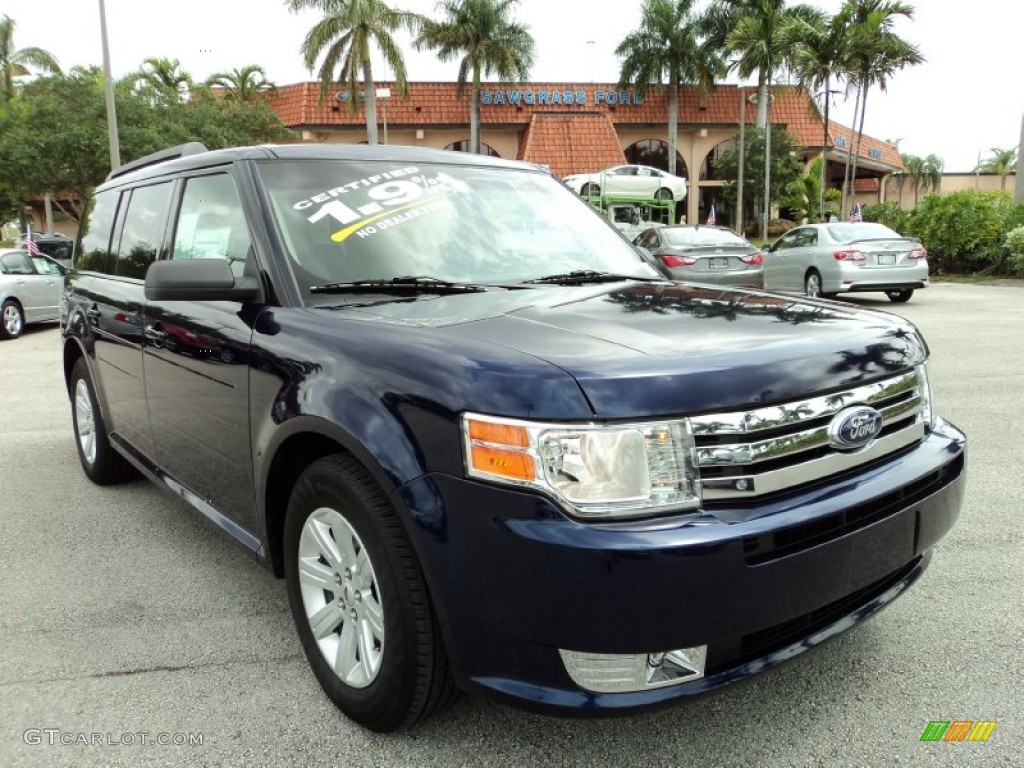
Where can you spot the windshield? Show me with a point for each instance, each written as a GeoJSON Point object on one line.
{"type": "Point", "coordinates": [345, 221]}
{"type": "Point", "coordinates": [700, 236]}
{"type": "Point", "coordinates": [847, 233]}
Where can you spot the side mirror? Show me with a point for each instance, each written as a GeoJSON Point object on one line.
{"type": "Point", "coordinates": [198, 280]}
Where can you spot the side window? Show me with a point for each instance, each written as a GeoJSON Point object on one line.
{"type": "Point", "coordinates": [16, 263]}
{"type": "Point", "coordinates": [95, 232]}
{"type": "Point", "coordinates": [211, 224]}
{"type": "Point", "coordinates": [143, 231]}
{"type": "Point", "coordinates": [812, 238]}
{"type": "Point", "coordinates": [788, 240]}
{"type": "Point", "coordinates": [44, 267]}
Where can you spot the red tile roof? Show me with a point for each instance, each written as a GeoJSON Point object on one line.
{"type": "Point", "coordinates": [577, 143]}
{"type": "Point", "coordinates": [300, 106]}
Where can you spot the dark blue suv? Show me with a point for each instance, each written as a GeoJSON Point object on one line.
{"type": "Point", "coordinates": [485, 444]}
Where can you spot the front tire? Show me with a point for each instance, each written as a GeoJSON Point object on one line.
{"type": "Point", "coordinates": [900, 297]}
{"type": "Point", "coordinates": [100, 462]}
{"type": "Point", "coordinates": [590, 189]}
{"type": "Point", "coordinates": [12, 320]}
{"type": "Point", "coordinates": [359, 599]}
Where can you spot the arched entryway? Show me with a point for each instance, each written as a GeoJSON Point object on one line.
{"type": "Point", "coordinates": [463, 146]}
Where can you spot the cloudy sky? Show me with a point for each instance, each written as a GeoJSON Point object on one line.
{"type": "Point", "coordinates": [966, 99]}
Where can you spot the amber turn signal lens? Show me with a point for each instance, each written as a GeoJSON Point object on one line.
{"type": "Point", "coordinates": [498, 434]}
{"type": "Point", "coordinates": [495, 461]}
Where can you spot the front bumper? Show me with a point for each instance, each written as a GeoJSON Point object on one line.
{"type": "Point", "coordinates": [514, 580]}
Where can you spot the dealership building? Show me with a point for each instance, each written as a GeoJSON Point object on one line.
{"type": "Point", "coordinates": [577, 128]}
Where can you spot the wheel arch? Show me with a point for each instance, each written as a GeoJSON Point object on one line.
{"type": "Point", "coordinates": [306, 441]}
{"type": "Point", "coordinates": [73, 351]}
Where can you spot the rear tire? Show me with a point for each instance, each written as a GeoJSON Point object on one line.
{"type": "Point", "coordinates": [663, 194]}
{"type": "Point", "coordinates": [360, 601]}
{"type": "Point", "coordinates": [100, 462]}
{"type": "Point", "coordinates": [12, 320]}
{"type": "Point", "coordinates": [900, 297]}
{"type": "Point", "coordinates": [812, 285]}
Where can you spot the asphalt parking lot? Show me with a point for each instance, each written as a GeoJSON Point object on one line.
{"type": "Point", "coordinates": [124, 613]}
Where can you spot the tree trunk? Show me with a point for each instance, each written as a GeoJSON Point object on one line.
{"type": "Point", "coordinates": [370, 102]}
{"type": "Point", "coordinates": [673, 120]}
{"type": "Point", "coordinates": [474, 113]}
{"type": "Point", "coordinates": [849, 157]}
{"type": "Point", "coordinates": [762, 99]}
{"type": "Point", "coordinates": [856, 146]}
{"type": "Point", "coordinates": [824, 154]}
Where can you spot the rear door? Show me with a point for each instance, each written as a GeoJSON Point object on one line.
{"type": "Point", "coordinates": [27, 285]}
{"type": "Point", "coordinates": [197, 358]}
{"type": "Point", "coordinates": [52, 281]}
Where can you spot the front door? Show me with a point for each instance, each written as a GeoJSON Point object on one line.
{"type": "Point", "coordinates": [197, 359]}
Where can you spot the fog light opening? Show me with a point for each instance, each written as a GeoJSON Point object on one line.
{"type": "Point", "coordinates": [621, 673]}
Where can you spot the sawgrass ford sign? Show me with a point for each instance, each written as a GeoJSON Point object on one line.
{"type": "Point", "coordinates": [560, 96]}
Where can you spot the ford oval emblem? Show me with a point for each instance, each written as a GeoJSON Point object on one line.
{"type": "Point", "coordinates": [854, 427]}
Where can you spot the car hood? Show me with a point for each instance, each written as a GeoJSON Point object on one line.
{"type": "Point", "coordinates": [648, 349]}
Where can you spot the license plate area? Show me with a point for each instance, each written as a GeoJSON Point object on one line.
{"type": "Point", "coordinates": [886, 259]}
{"type": "Point", "coordinates": [718, 262]}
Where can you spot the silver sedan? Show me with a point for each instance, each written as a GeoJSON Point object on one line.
{"type": "Point", "coordinates": [826, 259]}
{"type": "Point", "coordinates": [30, 289]}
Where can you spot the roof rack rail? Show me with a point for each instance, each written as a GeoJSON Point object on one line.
{"type": "Point", "coordinates": [182, 150]}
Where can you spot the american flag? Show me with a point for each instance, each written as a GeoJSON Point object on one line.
{"type": "Point", "coordinates": [711, 214]}
{"type": "Point", "coordinates": [30, 244]}
{"type": "Point", "coordinates": [855, 213]}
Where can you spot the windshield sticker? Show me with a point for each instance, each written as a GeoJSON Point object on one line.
{"type": "Point", "coordinates": [377, 202]}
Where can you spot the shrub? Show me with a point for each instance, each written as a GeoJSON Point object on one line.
{"type": "Point", "coordinates": [889, 214]}
{"type": "Point", "coordinates": [964, 231]}
{"type": "Point", "coordinates": [1015, 249]}
{"type": "Point", "coordinates": [778, 227]}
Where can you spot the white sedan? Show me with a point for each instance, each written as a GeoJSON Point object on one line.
{"type": "Point", "coordinates": [631, 181]}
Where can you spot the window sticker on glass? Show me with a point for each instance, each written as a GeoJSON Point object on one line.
{"type": "Point", "coordinates": [381, 201]}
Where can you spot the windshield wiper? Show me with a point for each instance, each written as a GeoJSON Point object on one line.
{"type": "Point", "coordinates": [406, 284]}
{"type": "Point", "coordinates": [582, 276]}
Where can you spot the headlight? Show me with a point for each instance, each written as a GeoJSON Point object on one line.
{"type": "Point", "coordinates": [594, 471]}
{"type": "Point", "coordinates": [925, 391]}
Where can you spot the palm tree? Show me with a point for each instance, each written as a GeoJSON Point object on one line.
{"type": "Point", "coordinates": [819, 50]}
{"type": "Point", "coordinates": [489, 42]}
{"type": "Point", "coordinates": [751, 30]}
{"type": "Point", "coordinates": [165, 76]}
{"type": "Point", "coordinates": [666, 43]}
{"type": "Point", "coordinates": [242, 84]}
{"type": "Point", "coordinates": [344, 37]}
{"type": "Point", "coordinates": [923, 172]}
{"type": "Point", "coordinates": [16, 62]}
{"type": "Point", "coordinates": [1003, 162]}
{"type": "Point", "coordinates": [933, 168]}
{"type": "Point", "coordinates": [876, 55]}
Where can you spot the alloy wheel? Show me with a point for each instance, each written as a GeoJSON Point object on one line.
{"type": "Point", "coordinates": [12, 321]}
{"type": "Point", "coordinates": [85, 421]}
{"type": "Point", "coordinates": [341, 597]}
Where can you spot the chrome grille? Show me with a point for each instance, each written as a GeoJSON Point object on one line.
{"type": "Point", "coordinates": [745, 454]}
